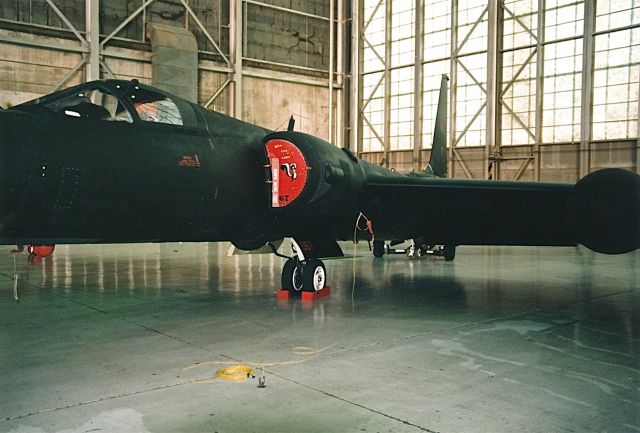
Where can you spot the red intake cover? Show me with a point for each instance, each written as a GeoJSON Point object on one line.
{"type": "Point", "coordinates": [288, 171]}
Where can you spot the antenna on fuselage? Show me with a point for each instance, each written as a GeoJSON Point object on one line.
{"type": "Point", "coordinates": [135, 84]}
{"type": "Point", "coordinates": [292, 123]}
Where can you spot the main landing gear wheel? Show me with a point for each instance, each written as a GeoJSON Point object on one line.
{"type": "Point", "coordinates": [292, 275]}
{"type": "Point", "coordinates": [449, 252]}
{"type": "Point", "coordinates": [308, 276]}
{"type": "Point", "coordinates": [314, 276]}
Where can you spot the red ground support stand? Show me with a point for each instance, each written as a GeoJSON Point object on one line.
{"type": "Point", "coordinates": [305, 296]}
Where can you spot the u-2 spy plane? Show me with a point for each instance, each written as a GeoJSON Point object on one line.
{"type": "Point", "coordinates": [117, 161]}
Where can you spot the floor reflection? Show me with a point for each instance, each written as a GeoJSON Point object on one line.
{"type": "Point", "coordinates": [481, 280]}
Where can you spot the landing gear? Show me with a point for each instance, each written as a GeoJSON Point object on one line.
{"type": "Point", "coordinates": [448, 252]}
{"type": "Point", "coordinates": [314, 275]}
{"type": "Point", "coordinates": [414, 251]}
{"type": "Point", "coordinates": [417, 250]}
{"type": "Point", "coordinates": [292, 275]}
{"type": "Point", "coordinates": [378, 248]}
{"type": "Point", "coordinates": [308, 276]}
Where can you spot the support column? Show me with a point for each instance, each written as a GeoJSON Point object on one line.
{"type": "Point", "coordinates": [355, 120]}
{"type": "Point", "coordinates": [340, 118]}
{"type": "Point", "coordinates": [92, 12]}
{"type": "Point", "coordinates": [494, 80]}
{"type": "Point", "coordinates": [235, 44]}
{"type": "Point", "coordinates": [418, 85]}
{"type": "Point", "coordinates": [332, 6]}
{"type": "Point", "coordinates": [587, 88]}
{"type": "Point", "coordinates": [387, 80]}
{"type": "Point", "coordinates": [539, 88]}
{"type": "Point", "coordinates": [453, 75]}
{"type": "Point", "coordinates": [638, 140]}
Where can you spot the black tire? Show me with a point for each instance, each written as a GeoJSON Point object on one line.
{"type": "Point", "coordinates": [449, 252]}
{"type": "Point", "coordinates": [378, 248]}
{"type": "Point", "coordinates": [314, 275]}
{"type": "Point", "coordinates": [292, 277]}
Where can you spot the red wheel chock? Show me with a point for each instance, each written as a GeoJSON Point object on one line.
{"type": "Point", "coordinates": [305, 296]}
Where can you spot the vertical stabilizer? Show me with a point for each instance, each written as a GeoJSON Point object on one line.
{"type": "Point", "coordinates": [438, 160]}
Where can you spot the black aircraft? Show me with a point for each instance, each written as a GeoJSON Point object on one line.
{"type": "Point", "coordinates": [120, 162]}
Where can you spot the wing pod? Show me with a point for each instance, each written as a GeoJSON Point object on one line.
{"type": "Point", "coordinates": [308, 176]}
{"type": "Point", "coordinates": [604, 207]}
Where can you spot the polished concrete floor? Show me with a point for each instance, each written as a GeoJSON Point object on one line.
{"type": "Point", "coordinates": [127, 339]}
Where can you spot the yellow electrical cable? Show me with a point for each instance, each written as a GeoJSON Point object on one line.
{"type": "Point", "coordinates": [307, 351]}
{"type": "Point", "coordinates": [355, 255]}
{"type": "Point", "coordinates": [235, 373]}
{"type": "Point", "coordinates": [257, 365]}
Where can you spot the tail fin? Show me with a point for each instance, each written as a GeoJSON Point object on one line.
{"type": "Point", "coordinates": [438, 160]}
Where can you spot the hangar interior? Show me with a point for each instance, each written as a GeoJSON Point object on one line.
{"type": "Point", "coordinates": [129, 337]}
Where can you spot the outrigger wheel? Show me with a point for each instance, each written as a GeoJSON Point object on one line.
{"type": "Point", "coordinates": [309, 275]}
{"type": "Point", "coordinates": [378, 248]}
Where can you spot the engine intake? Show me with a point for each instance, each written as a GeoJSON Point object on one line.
{"type": "Point", "coordinates": [308, 175]}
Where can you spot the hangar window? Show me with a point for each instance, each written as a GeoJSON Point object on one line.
{"type": "Point", "coordinates": [615, 75]}
{"type": "Point", "coordinates": [528, 78]}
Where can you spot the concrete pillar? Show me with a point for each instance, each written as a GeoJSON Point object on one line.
{"type": "Point", "coordinates": [174, 60]}
{"type": "Point", "coordinates": [236, 45]}
{"type": "Point", "coordinates": [93, 37]}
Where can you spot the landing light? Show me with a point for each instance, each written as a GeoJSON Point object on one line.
{"type": "Point", "coordinates": [72, 113]}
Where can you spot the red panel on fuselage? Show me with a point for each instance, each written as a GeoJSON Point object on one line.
{"type": "Point", "coordinates": [292, 171]}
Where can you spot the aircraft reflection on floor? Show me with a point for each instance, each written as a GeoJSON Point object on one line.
{"type": "Point", "coordinates": [112, 268]}
{"type": "Point", "coordinates": [480, 280]}
{"type": "Point", "coordinates": [128, 269]}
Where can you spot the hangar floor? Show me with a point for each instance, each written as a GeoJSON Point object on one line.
{"type": "Point", "coordinates": [126, 338]}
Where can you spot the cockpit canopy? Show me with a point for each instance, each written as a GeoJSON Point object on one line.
{"type": "Point", "coordinates": [117, 101]}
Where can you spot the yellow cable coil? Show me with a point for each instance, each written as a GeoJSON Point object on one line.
{"type": "Point", "coordinates": [235, 373]}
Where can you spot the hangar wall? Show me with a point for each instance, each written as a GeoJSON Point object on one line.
{"type": "Point", "coordinates": [265, 60]}
{"type": "Point", "coordinates": [262, 61]}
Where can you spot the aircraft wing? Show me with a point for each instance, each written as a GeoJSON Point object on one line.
{"type": "Point", "coordinates": [602, 211]}
{"type": "Point", "coordinates": [461, 212]}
